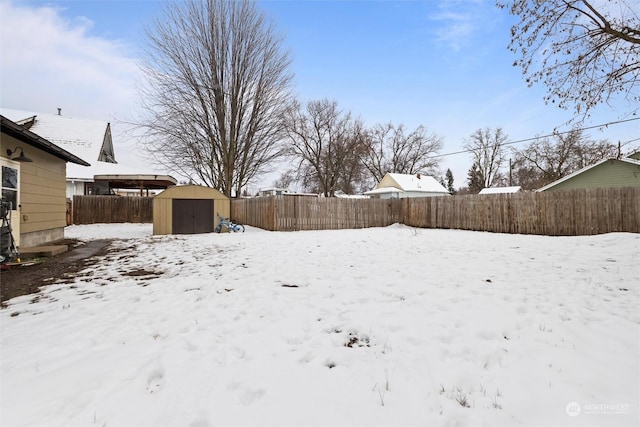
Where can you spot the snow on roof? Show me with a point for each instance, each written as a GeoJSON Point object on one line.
{"type": "Point", "coordinates": [418, 183]}
{"type": "Point", "coordinates": [81, 137]}
{"type": "Point", "coordinates": [500, 190]}
{"type": "Point", "coordinates": [383, 190]}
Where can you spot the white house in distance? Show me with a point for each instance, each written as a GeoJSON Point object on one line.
{"type": "Point", "coordinates": [398, 186]}
{"type": "Point", "coordinates": [90, 140]}
{"type": "Point", "coordinates": [272, 191]}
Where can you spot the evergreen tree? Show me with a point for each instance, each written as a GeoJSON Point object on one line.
{"type": "Point", "coordinates": [449, 177]}
{"type": "Point", "coordinates": [475, 179]}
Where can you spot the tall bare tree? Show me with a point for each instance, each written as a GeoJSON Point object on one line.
{"type": "Point", "coordinates": [217, 81]}
{"type": "Point", "coordinates": [584, 51]}
{"type": "Point", "coordinates": [544, 161]}
{"type": "Point", "coordinates": [487, 148]}
{"type": "Point", "coordinates": [392, 150]}
{"type": "Point", "coordinates": [325, 140]}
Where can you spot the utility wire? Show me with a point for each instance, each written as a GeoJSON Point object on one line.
{"type": "Point", "coordinates": [549, 135]}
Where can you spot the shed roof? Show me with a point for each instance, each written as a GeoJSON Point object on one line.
{"type": "Point", "coordinates": [191, 192]}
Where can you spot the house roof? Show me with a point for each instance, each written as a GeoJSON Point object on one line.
{"type": "Point", "coordinates": [82, 137]}
{"type": "Point", "coordinates": [13, 129]}
{"type": "Point", "coordinates": [383, 190]}
{"type": "Point", "coordinates": [500, 190]}
{"type": "Point", "coordinates": [417, 183]}
{"type": "Point", "coordinates": [86, 138]}
{"type": "Point", "coordinates": [583, 170]}
{"type": "Point", "coordinates": [634, 156]}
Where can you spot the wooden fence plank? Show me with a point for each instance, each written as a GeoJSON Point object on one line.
{"type": "Point", "coordinates": [112, 209]}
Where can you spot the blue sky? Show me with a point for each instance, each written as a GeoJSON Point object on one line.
{"type": "Point", "coordinates": [443, 64]}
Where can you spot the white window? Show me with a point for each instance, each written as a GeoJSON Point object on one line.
{"type": "Point", "coordinates": [10, 186]}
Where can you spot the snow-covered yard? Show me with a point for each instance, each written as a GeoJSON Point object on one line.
{"type": "Point", "coordinates": [386, 326]}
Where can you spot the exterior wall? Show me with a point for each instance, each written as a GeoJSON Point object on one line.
{"type": "Point", "coordinates": [612, 173]}
{"type": "Point", "coordinates": [76, 188]}
{"type": "Point", "coordinates": [163, 205]}
{"type": "Point", "coordinates": [387, 181]}
{"type": "Point", "coordinates": [42, 189]}
{"type": "Point", "coordinates": [410, 194]}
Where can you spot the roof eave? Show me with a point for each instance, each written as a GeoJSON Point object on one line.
{"type": "Point", "coordinates": [18, 132]}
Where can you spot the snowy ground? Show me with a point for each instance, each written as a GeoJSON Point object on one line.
{"type": "Point", "coordinates": [386, 326]}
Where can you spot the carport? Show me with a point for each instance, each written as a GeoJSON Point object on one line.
{"type": "Point", "coordinates": [188, 209]}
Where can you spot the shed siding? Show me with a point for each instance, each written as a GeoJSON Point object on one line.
{"type": "Point", "coordinates": [612, 173]}
{"type": "Point", "coordinates": [162, 216]}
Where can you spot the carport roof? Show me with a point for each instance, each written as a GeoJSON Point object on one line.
{"type": "Point", "coordinates": [151, 182]}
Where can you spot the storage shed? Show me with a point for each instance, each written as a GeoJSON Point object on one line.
{"type": "Point", "coordinates": [188, 209]}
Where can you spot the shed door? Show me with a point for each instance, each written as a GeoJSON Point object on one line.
{"type": "Point", "coordinates": [191, 216]}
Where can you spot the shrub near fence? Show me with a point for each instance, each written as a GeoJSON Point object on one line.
{"type": "Point", "coordinates": [112, 209]}
{"type": "Point", "coordinates": [557, 213]}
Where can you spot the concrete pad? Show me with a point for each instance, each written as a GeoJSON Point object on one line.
{"type": "Point", "coordinates": [42, 251]}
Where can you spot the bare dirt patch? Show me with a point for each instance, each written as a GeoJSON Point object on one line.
{"type": "Point", "coordinates": [26, 280]}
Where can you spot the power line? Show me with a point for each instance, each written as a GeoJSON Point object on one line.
{"type": "Point", "coordinates": [548, 135]}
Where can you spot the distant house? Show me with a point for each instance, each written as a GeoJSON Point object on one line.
{"type": "Point", "coordinates": [624, 172]}
{"type": "Point", "coordinates": [339, 194]}
{"type": "Point", "coordinates": [501, 190]}
{"type": "Point", "coordinates": [90, 140]}
{"type": "Point", "coordinates": [272, 191]}
{"type": "Point", "coordinates": [398, 186]}
{"type": "Point", "coordinates": [33, 180]}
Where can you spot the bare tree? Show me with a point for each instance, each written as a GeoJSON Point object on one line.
{"type": "Point", "coordinates": [217, 82]}
{"type": "Point", "coordinates": [584, 51]}
{"type": "Point", "coordinates": [391, 150]}
{"type": "Point", "coordinates": [325, 141]}
{"type": "Point", "coordinates": [486, 146]}
{"type": "Point", "coordinates": [544, 161]}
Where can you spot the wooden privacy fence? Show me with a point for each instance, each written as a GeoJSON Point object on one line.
{"type": "Point", "coordinates": [112, 209]}
{"type": "Point", "coordinates": [556, 213]}
{"type": "Point", "coordinates": [292, 213]}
